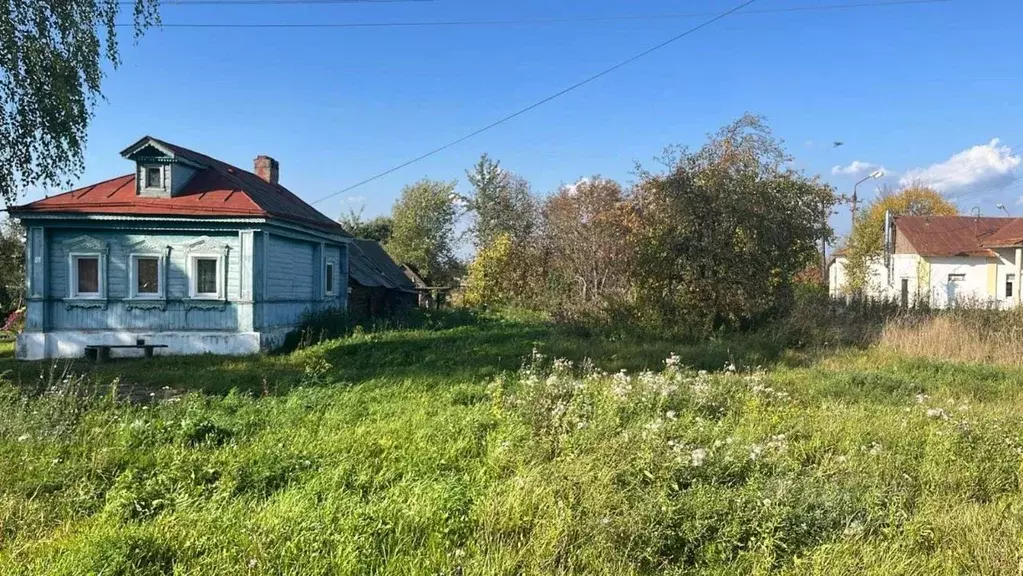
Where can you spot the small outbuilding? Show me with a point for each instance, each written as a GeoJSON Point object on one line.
{"type": "Point", "coordinates": [378, 286]}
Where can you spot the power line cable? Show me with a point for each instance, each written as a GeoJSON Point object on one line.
{"type": "Point", "coordinates": [535, 105]}
{"type": "Point", "coordinates": [525, 21]}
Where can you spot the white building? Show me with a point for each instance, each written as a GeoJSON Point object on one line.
{"type": "Point", "coordinates": [943, 260]}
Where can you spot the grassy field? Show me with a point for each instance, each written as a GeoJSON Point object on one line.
{"type": "Point", "coordinates": [458, 450]}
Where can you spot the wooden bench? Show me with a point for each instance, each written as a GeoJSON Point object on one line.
{"type": "Point", "coordinates": [101, 352]}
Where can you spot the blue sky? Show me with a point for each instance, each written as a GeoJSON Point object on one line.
{"type": "Point", "coordinates": [904, 87]}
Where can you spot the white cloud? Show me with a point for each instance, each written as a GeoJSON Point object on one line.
{"type": "Point", "coordinates": [573, 189]}
{"type": "Point", "coordinates": [355, 200]}
{"type": "Point", "coordinates": [857, 168]}
{"type": "Point", "coordinates": [983, 168]}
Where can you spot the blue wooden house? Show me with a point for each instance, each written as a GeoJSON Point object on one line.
{"type": "Point", "coordinates": [186, 251]}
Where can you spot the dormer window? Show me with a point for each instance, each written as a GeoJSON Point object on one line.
{"type": "Point", "coordinates": [154, 177]}
{"type": "Point", "coordinates": [161, 170]}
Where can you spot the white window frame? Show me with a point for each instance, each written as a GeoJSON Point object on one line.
{"type": "Point", "coordinates": [101, 276]}
{"type": "Point", "coordinates": [1009, 278]}
{"type": "Point", "coordinates": [145, 177]}
{"type": "Point", "coordinates": [133, 285]}
{"type": "Point", "coordinates": [192, 276]}
{"type": "Point", "coordinates": [329, 263]}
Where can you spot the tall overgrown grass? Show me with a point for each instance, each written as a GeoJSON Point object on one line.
{"type": "Point", "coordinates": [558, 468]}
{"type": "Point", "coordinates": [963, 335]}
{"type": "Point", "coordinates": [971, 332]}
{"type": "Point", "coordinates": [450, 449]}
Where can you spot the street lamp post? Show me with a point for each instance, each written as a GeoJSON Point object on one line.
{"type": "Point", "coordinates": [855, 202]}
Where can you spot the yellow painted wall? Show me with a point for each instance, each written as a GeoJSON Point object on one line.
{"type": "Point", "coordinates": [923, 279]}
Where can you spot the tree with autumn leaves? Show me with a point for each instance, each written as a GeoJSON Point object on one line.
{"type": "Point", "coordinates": [589, 228]}
{"type": "Point", "coordinates": [713, 240]}
{"type": "Point", "coordinates": [725, 230]}
{"type": "Point", "coordinates": [866, 242]}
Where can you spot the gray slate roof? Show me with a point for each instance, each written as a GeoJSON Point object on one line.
{"type": "Point", "coordinates": [371, 266]}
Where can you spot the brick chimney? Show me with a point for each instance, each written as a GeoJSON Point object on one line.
{"type": "Point", "coordinates": [267, 168]}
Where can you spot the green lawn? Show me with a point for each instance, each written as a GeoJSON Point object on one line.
{"type": "Point", "coordinates": [436, 452]}
{"type": "Point", "coordinates": [441, 353]}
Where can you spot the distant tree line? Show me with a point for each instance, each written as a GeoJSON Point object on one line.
{"type": "Point", "coordinates": [714, 238]}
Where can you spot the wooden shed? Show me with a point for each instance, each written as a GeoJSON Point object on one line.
{"type": "Point", "coordinates": [378, 286]}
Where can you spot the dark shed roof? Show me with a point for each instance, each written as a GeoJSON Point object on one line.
{"type": "Point", "coordinates": [371, 266]}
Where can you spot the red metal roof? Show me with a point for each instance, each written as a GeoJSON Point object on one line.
{"type": "Point", "coordinates": [1011, 234]}
{"type": "Point", "coordinates": [219, 189]}
{"type": "Point", "coordinates": [950, 235]}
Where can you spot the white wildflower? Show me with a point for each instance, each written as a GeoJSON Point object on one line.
{"type": "Point", "coordinates": [621, 384]}
{"type": "Point", "coordinates": [655, 425]}
{"type": "Point", "coordinates": [670, 415]}
{"type": "Point", "coordinates": [777, 443]}
{"type": "Point", "coordinates": [24, 437]}
{"type": "Point", "coordinates": [562, 365]}
{"type": "Point", "coordinates": [937, 413]}
{"type": "Point", "coordinates": [755, 451]}
{"type": "Point", "coordinates": [853, 529]}
{"type": "Point", "coordinates": [698, 456]}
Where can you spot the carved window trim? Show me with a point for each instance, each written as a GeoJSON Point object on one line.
{"type": "Point", "coordinates": [133, 276]}
{"type": "Point", "coordinates": [145, 177]}
{"type": "Point", "coordinates": [212, 248]}
{"type": "Point", "coordinates": [219, 276]}
{"type": "Point", "coordinates": [73, 259]}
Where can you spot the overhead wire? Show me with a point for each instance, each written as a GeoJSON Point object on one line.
{"type": "Point", "coordinates": [586, 81]}
{"type": "Point", "coordinates": [539, 103]}
{"type": "Point", "coordinates": [505, 22]}
{"type": "Point", "coordinates": [714, 18]}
